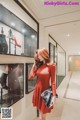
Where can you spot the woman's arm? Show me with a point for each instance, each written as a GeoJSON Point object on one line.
{"type": "Point", "coordinates": [53, 78]}
{"type": "Point", "coordinates": [32, 73]}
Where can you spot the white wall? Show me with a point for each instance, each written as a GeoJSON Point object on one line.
{"type": "Point", "coordinates": [43, 37]}
{"type": "Point", "coordinates": [51, 40]}
{"type": "Point", "coordinates": [74, 63]}
{"type": "Point", "coordinates": [67, 69]}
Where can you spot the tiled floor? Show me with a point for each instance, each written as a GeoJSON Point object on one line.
{"type": "Point", "coordinates": [67, 109]}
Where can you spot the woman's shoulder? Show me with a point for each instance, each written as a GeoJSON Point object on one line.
{"type": "Point", "coordinates": [51, 64]}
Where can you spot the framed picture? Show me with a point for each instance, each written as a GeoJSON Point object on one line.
{"type": "Point", "coordinates": [11, 83]}
{"type": "Point", "coordinates": [16, 37]}
{"type": "Point", "coordinates": [30, 84]}
{"type": "Point", "coordinates": [52, 52]}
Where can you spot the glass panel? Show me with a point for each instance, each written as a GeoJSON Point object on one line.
{"type": "Point", "coordinates": [11, 83]}
{"type": "Point", "coordinates": [16, 37]}
{"type": "Point", "coordinates": [30, 84]}
{"type": "Point", "coordinates": [52, 52]}
{"type": "Point", "coordinates": [61, 59]}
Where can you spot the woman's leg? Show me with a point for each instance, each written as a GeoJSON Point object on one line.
{"type": "Point", "coordinates": [42, 116]}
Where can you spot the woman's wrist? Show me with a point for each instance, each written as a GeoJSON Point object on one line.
{"type": "Point", "coordinates": [54, 96]}
{"type": "Point", "coordinates": [34, 67]}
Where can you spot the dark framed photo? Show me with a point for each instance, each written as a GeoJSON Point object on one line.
{"type": "Point", "coordinates": [52, 52]}
{"type": "Point", "coordinates": [16, 37]}
{"type": "Point", "coordinates": [11, 83]}
{"type": "Point", "coordinates": [30, 84]}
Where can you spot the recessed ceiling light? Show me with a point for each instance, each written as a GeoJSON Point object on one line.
{"type": "Point", "coordinates": [13, 24]}
{"type": "Point", "coordinates": [68, 35]}
{"type": "Point", "coordinates": [23, 30]}
{"type": "Point", "coordinates": [33, 36]}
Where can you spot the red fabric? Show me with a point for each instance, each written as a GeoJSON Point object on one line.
{"type": "Point", "coordinates": [16, 43]}
{"type": "Point", "coordinates": [44, 73]}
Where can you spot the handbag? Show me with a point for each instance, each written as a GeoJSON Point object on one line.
{"type": "Point", "coordinates": [47, 96]}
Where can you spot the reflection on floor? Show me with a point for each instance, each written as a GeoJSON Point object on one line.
{"type": "Point", "coordinates": [73, 89]}
{"type": "Point", "coordinates": [59, 80]}
{"type": "Point", "coordinates": [67, 109]}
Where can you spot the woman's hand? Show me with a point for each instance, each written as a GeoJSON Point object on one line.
{"type": "Point", "coordinates": [35, 65]}
{"type": "Point", "coordinates": [53, 101]}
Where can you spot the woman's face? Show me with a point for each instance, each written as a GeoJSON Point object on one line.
{"type": "Point", "coordinates": [40, 58]}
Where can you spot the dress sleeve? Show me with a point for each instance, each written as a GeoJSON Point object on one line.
{"type": "Point", "coordinates": [32, 73]}
{"type": "Point", "coordinates": [53, 78]}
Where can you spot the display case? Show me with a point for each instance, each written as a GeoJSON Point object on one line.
{"type": "Point", "coordinates": [30, 84]}
{"type": "Point", "coordinates": [11, 83]}
{"type": "Point", "coordinates": [16, 36]}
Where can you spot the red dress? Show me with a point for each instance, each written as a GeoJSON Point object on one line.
{"type": "Point", "coordinates": [44, 73]}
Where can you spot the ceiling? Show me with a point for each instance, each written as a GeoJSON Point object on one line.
{"type": "Point", "coordinates": [68, 36]}
{"type": "Point", "coordinates": [61, 21]}
{"type": "Point", "coordinates": [46, 11]}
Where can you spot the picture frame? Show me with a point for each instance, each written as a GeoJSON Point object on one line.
{"type": "Point", "coordinates": [52, 52]}
{"type": "Point", "coordinates": [11, 83]}
{"type": "Point", "coordinates": [29, 84]}
{"type": "Point", "coordinates": [16, 37]}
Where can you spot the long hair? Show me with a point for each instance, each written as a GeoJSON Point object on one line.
{"type": "Point", "coordinates": [44, 54]}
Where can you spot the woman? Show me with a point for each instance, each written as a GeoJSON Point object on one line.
{"type": "Point", "coordinates": [44, 70]}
